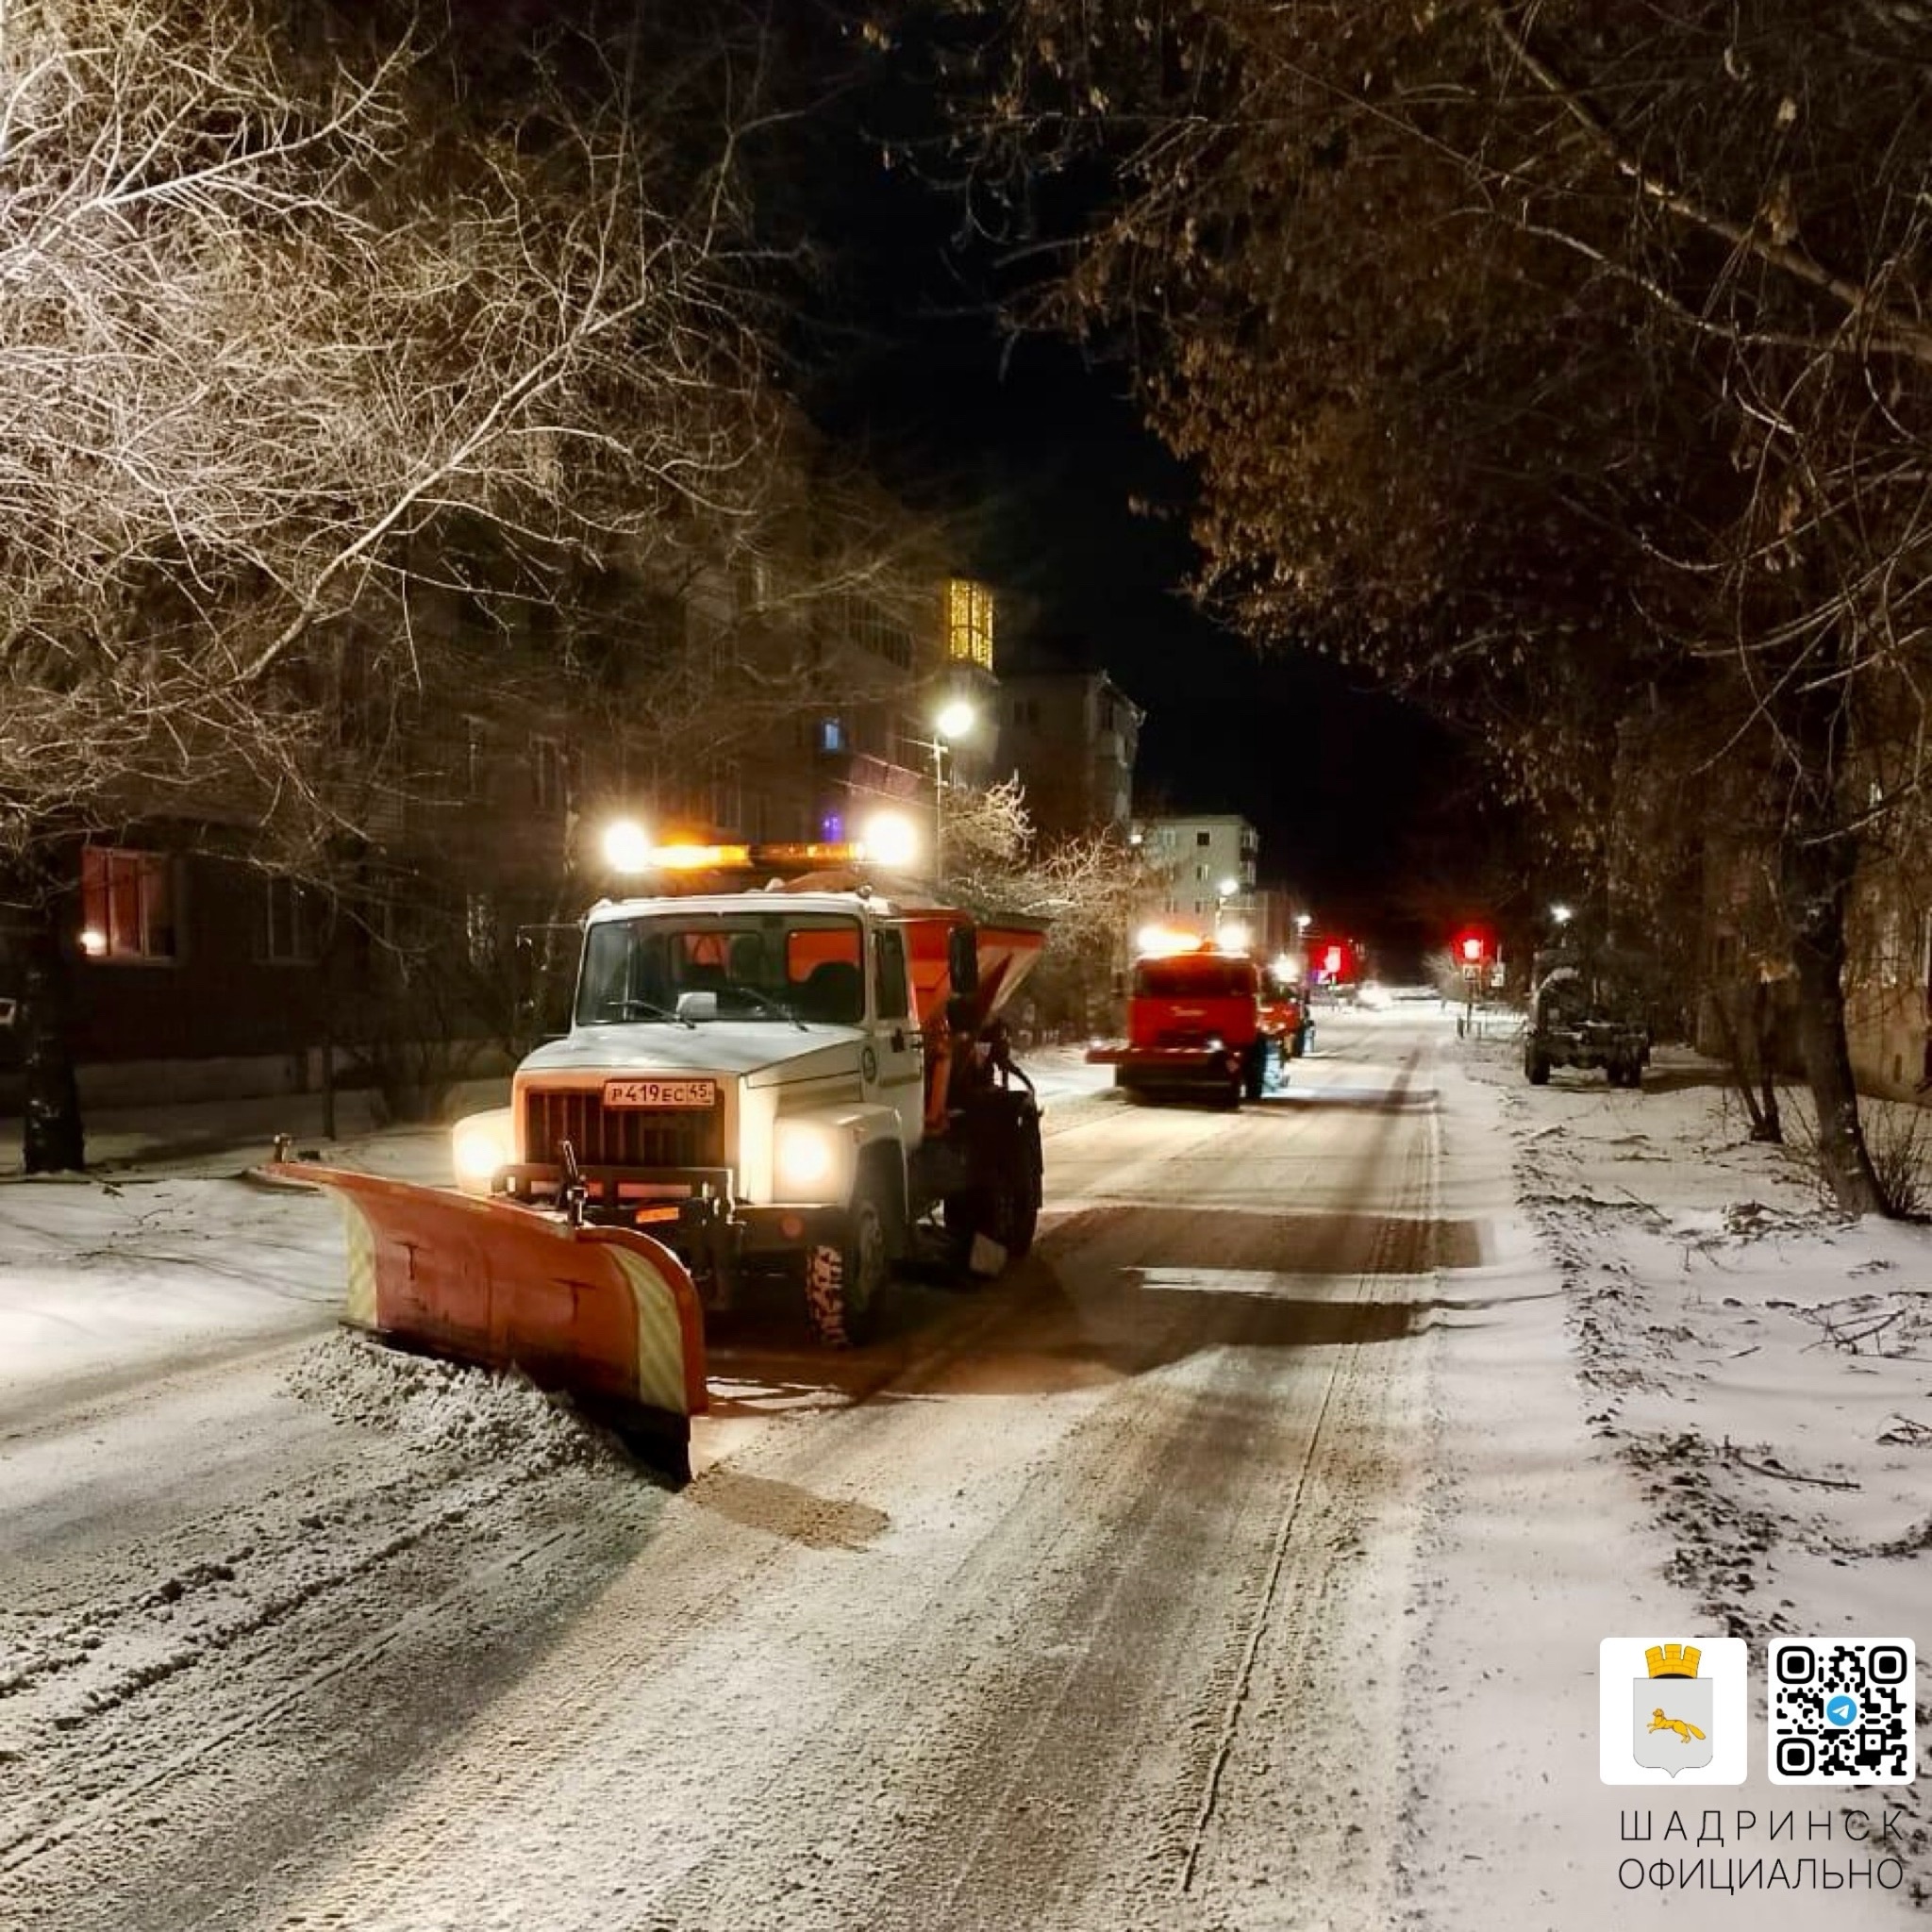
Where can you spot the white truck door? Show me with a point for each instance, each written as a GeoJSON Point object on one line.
{"type": "Point", "coordinates": [895, 1069]}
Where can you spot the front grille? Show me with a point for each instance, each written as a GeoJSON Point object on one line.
{"type": "Point", "coordinates": [640, 1136]}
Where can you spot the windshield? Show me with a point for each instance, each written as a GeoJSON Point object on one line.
{"type": "Point", "coordinates": [782, 966]}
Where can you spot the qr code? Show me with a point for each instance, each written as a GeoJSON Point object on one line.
{"type": "Point", "coordinates": [1841, 1710]}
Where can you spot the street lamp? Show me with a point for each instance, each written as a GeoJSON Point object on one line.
{"type": "Point", "coordinates": [954, 721]}
{"type": "Point", "coordinates": [1559, 915]}
{"type": "Point", "coordinates": [1223, 893]}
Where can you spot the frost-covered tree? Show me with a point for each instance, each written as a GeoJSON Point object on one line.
{"type": "Point", "coordinates": [303, 320]}
{"type": "Point", "coordinates": [1084, 886]}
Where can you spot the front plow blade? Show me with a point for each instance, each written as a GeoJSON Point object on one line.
{"type": "Point", "coordinates": [605, 1313]}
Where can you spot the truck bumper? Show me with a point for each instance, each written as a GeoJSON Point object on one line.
{"type": "Point", "coordinates": [1149, 1067]}
{"type": "Point", "coordinates": [693, 1212]}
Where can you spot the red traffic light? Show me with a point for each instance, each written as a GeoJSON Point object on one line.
{"type": "Point", "coordinates": [1472, 949]}
{"type": "Point", "coordinates": [1331, 961]}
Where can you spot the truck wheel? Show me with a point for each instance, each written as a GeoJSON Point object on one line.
{"type": "Point", "coordinates": [1254, 1079]}
{"type": "Point", "coordinates": [1008, 1212]}
{"type": "Point", "coordinates": [1003, 1206]}
{"type": "Point", "coordinates": [845, 1278]}
{"type": "Point", "coordinates": [1536, 1067]}
{"type": "Point", "coordinates": [1022, 1212]}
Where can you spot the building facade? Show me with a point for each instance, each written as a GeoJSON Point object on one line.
{"type": "Point", "coordinates": [1070, 738]}
{"type": "Point", "coordinates": [1200, 873]}
{"type": "Point", "coordinates": [754, 701]}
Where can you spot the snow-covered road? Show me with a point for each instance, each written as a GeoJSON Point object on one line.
{"type": "Point", "coordinates": [1239, 1562]}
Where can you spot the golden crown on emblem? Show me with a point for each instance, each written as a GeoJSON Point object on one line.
{"type": "Point", "coordinates": [1673, 1659]}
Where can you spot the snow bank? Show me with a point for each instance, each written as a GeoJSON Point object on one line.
{"type": "Point", "coordinates": [446, 1407]}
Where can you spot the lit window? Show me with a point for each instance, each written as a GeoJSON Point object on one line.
{"type": "Point", "coordinates": [832, 734]}
{"type": "Point", "coordinates": [969, 623]}
{"type": "Point", "coordinates": [128, 910]}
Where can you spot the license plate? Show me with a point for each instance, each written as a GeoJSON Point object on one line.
{"type": "Point", "coordinates": [660, 1092]}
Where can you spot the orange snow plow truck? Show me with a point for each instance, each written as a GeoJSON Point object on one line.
{"type": "Point", "coordinates": [799, 1084]}
{"type": "Point", "coordinates": [1196, 1024]}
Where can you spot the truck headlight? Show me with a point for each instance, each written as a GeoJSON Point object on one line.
{"type": "Point", "coordinates": [804, 1157]}
{"type": "Point", "coordinates": [481, 1144]}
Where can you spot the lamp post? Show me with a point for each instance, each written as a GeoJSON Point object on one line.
{"type": "Point", "coordinates": [954, 721]}
{"type": "Point", "coordinates": [1223, 893]}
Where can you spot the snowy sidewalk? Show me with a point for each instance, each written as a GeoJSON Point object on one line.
{"type": "Point", "coordinates": [1743, 1439]}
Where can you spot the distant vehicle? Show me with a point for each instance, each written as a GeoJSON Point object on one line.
{"type": "Point", "coordinates": [1196, 1023]}
{"type": "Point", "coordinates": [1285, 1013]}
{"type": "Point", "coordinates": [1588, 1011]}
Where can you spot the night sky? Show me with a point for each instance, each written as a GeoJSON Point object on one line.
{"type": "Point", "coordinates": [1046, 456]}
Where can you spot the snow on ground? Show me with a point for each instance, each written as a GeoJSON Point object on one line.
{"type": "Point", "coordinates": [167, 1250]}
{"type": "Point", "coordinates": [1747, 1370]}
{"type": "Point", "coordinates": [1758, 1369]}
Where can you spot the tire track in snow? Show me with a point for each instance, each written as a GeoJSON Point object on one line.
{"type": "Point", "coordinates": [932, 1725]}
{"type": "Point", "coordinates": [904, 1635]}
{"type": "Point", "coordinates": [128, 1739]}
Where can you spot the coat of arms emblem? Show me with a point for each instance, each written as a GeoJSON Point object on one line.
{"type": "Point", "coordinates": [1671, 1710]}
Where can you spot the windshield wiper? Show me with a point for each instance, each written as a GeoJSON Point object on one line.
{"type": "Point", "coordinates": [644, 1009]}
{"type": "Point", "coordinates": [766, 1003]}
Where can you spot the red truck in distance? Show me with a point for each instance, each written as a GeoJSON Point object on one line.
{"type": "Point", "coordinates": [1195, 1023]}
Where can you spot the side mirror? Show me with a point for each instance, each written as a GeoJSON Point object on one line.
{"type": "Point", "coordinates": [962, 960]}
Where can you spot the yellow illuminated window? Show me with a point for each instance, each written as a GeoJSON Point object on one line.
{"type": "Point", "coordinates": [969, 623]}
{"type": "Point", "coordinates": [126, 913]}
